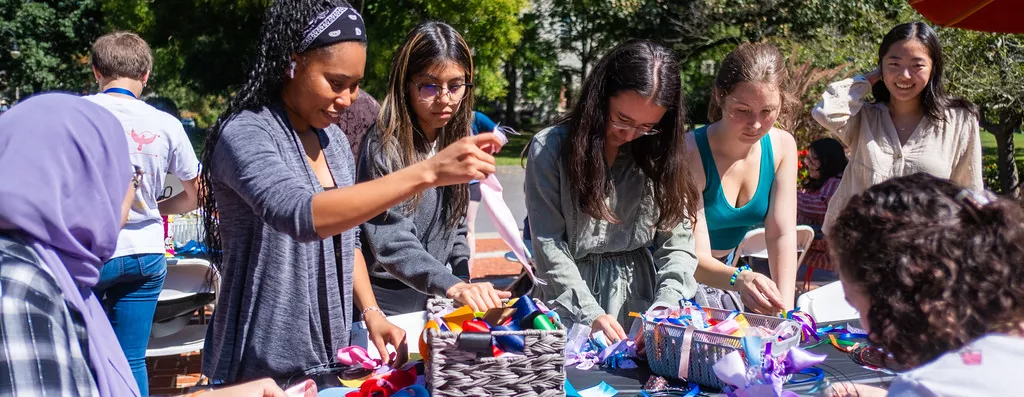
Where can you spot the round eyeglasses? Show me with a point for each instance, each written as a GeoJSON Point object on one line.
{"type": "Point", "coordinates": [622, 125]}
{"type": "Point", "coordinates": [433, 92]}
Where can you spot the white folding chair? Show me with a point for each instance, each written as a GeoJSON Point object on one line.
{"type": "Point", "coordinates": [754, 244]}
{"type": "Point", "coordinates": [827, 303]}
{"type": "Point", "coordinates": [186, 280]}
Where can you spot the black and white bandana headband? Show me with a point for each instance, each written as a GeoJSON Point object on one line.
{"type": "Point", "coordinates": [340, 24]}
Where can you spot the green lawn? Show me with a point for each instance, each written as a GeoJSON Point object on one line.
{"type": "Point", "coordinates": [988, 145]}
{"type": "Point", "coordinates": [510, 153]}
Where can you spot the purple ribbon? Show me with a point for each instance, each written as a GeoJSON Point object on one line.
{"type": "Point", "coordinates": [808, 326]}
{"type": "Point", "coordinates": [769, 381]}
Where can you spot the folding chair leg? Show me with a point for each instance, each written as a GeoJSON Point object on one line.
{"type": "Point", "coordinates": [807, 278]}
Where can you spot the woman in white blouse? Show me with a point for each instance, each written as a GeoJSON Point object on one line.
{"type": "Point", "coordinates": [913, 125]}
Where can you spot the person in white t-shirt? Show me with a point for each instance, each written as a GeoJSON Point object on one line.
{"type": "Point", "coordinates": [131, 281]}
{"type": "Point", "coordinates": [935, 272]}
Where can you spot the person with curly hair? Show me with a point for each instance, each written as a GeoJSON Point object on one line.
{"type": "Point", "coordinates": [935, 272]}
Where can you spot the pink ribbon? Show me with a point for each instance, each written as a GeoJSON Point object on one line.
{"type": "Point", "coordinates": [304, 389]}
{"type": "Point", "coordinates": [508, 229]}
{"type": "Point", "coordinates": [357, 356]}
{"type": "Point", "coordinates": [684, 353]}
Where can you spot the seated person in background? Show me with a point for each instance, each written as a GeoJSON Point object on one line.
{"type": "Point", "coordinates": [935, 272]}
{"type": "Point", "coordinates": [357, 119]}
{"type": "Point", "coordinates": [66, 191]}
{"type": "Point", "coordinates": [825, 163]}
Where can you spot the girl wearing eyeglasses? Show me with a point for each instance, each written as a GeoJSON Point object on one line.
{"type": "Point", "coordinates": [607, 183]}
{"type": "Point", "coordinates": [749, 179]}
{"type": "Point", "coordinates": [412, 247]}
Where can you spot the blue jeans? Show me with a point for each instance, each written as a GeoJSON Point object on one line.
{"type": "Point", "coordinates": [129, 287]}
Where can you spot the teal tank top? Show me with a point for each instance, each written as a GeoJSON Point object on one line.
{"type": "Point", "coordinates": [727, 224]}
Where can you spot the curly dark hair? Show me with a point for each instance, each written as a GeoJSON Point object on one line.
{"type": "Point", "coordinates": [280, 37]}
{"type": "Point", "coordinates": [939, 267]}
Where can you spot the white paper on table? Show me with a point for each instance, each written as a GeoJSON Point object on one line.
{"type": "Point", "coordinates": [412, 323]}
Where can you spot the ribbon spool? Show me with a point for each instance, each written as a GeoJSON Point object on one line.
{"type": "Point", "coordinates": [543, 323]}
{"type": "Point", "coordinates": [526, 312]}
{"type": "Point", "coordinates": [509, 343]}
{"type": "Point", "coordinates": [424, 346]}
{"type": "Point", "coordinates": [480, 326]}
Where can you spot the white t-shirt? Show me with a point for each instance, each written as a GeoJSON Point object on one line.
{"type": "Point", "coordinates": [156, 142]}
{"type": "Point", "coordinates": [990, 366]}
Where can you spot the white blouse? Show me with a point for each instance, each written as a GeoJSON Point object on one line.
{"type": "Point", "coordinates": [947, 149]}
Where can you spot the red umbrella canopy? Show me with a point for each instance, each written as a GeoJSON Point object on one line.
{"type": "Point", "coordinates": [1003, 16]}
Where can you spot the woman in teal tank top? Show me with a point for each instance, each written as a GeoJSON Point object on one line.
{"type": "Point", "coordinates": [749, 179]}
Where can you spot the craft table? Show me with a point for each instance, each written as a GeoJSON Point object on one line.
{"type": "Point", "coordinates": [838, 368]}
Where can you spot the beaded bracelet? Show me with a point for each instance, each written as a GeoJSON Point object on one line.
{"type": "Point", "coordinates": [373, 309]}
{"type": "Point", "coordinates": [732, 280]}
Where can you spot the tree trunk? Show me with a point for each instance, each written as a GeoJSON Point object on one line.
{"type": "Point", "coordinates": [1009, 122]}
{"type": "Point", "coordinates": [511, 97]}
{"type": "Point", "coordinates": [1006, 162]}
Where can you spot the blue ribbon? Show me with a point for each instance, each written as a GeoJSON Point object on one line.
{"type": "Point", "coordinates": [815, 374]}
{"type": "Point", "coordinates": [118, 90]}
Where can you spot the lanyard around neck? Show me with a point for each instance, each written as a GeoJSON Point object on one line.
{"type": "Point", "coordinates": [122, 91]}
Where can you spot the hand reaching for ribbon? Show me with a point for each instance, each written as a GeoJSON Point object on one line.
{"type": "Point", "coordinates": [382, 333]}
{"type": "Point", "coordinates": [479, 296]}
{"type": "Point", "coordinates": [759, 293]}
{"type": "Point", "coordinates": [610, 326]}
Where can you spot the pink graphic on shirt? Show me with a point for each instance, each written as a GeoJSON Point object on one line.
{"type": "Point", "coordinates": [144, 138]}
{"type": "Point", "coordinates": [971, 357]}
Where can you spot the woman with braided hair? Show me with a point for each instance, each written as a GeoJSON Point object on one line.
{"type": "Point", "coordinates": [281, 204]}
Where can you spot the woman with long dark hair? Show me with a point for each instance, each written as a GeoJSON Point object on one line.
{"type": "Point", "coordinates": [608, 181]}
{"type": "Point", "coordinates": [281, 205]}
{"type": "Point", "coordinates": [912, 126]}
{"type": "Point", "coordinates": [825, 162]}
{"type": "Point", "coordinates": [413, 247]}
{"type": "Point", "coordinates": [935, 272]}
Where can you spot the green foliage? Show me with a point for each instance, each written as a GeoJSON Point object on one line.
{"type": "Point", "coordinates": [490, 27]}
{"type": "Point", "coordinates": [533, 74]}
{"type": "Point", "coordinates": [53, 38]}
{"type": "Point", "coordinates": [988, 69]}
{"type": "Point", "coordinates": [990, 173]}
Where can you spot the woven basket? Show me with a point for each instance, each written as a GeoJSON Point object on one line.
{"type": "Point", "coordinates": [666, 342]}
{"type": "Point", "coordinates": [538, 371]}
